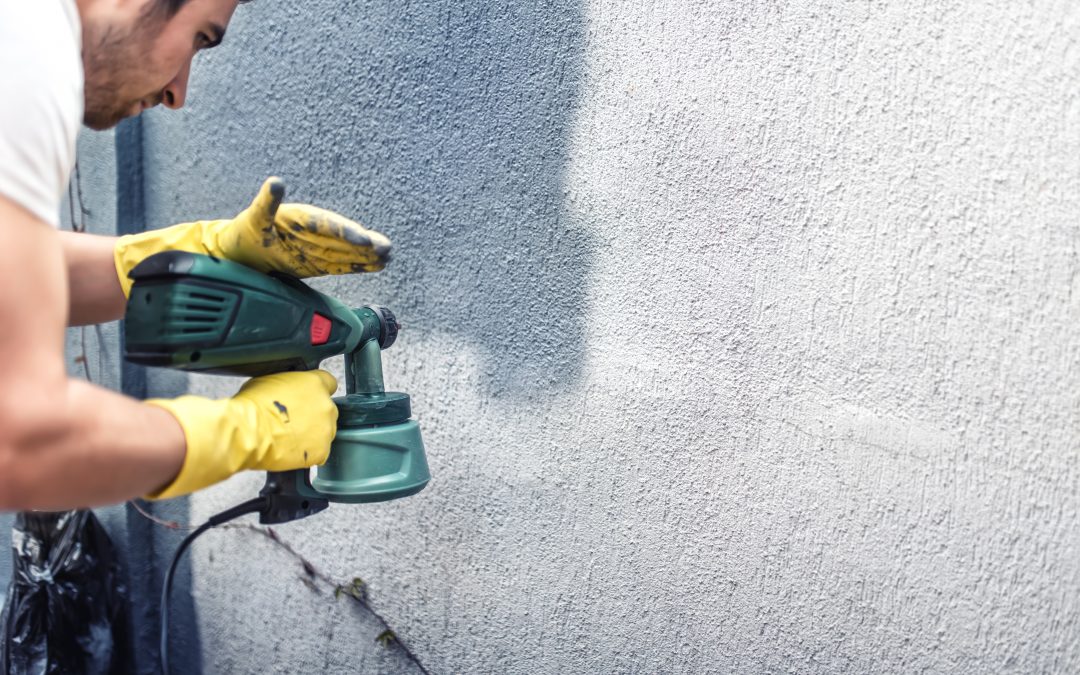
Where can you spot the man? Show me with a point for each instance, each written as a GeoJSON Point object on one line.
{"type": "Point", "coordinates": [65, 442]}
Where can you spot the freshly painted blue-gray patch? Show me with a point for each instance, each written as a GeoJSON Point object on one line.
{"type": "Point", "coordinates": [446, 126]}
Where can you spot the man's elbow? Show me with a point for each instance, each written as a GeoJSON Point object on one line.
{"type": "Point", "coordinates": [13, 489]}
{"type": "Point", "coordinates": [25, 429]}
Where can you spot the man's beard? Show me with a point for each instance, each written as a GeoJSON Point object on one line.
{"type": "Point", "coordinates": [114, 59]}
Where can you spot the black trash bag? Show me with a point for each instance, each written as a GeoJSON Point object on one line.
{"type": "Point", "coordinates": [66, 608]}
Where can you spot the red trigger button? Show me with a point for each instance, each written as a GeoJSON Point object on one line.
{"type": "Point", "coordinates": [320, 329]}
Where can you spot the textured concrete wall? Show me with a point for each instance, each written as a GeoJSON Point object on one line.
{"type": "Point", "coordinates": [742, 335]}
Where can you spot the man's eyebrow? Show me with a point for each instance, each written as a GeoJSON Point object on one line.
{"type": "Point", "coordinates": [217, 35]}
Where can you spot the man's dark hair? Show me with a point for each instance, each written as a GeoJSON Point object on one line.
{"type": "Point", "coordinates": [171, 7]}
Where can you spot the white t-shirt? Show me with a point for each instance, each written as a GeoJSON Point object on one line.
{"type": "Point", "coordinates": [41, 101]}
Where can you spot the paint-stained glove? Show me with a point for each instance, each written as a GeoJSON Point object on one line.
{"type": "Point", "coordinates": [274, 423]}
{"type": "Point", "coordinates": [297, 239]}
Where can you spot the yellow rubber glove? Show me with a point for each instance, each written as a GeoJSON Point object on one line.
{"type": "Point", "coordinates": [274, 423]}
{"type": "Point", "coordinates": [301, 240]}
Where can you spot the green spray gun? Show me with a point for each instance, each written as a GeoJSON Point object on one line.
{"type": "Point", "coordinates": [198, 313]}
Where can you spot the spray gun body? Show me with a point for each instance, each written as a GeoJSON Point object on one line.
{"type": "Point", "coordinates": [197, 313]}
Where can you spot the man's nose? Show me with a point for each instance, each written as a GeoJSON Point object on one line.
{"type": "Point", "coordinates": [176, 91]}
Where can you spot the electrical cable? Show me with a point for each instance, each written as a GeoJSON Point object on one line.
{"type": "Point", "coordinates": [251, 506]}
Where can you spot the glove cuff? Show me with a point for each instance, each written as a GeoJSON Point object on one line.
{"type": "Point", "coordinates": [209, 436]}
{"type": "Point", "coordinates": [131, 249]}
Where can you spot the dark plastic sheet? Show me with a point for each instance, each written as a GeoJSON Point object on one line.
{"type": "Point", "coordinates": [66, 608]}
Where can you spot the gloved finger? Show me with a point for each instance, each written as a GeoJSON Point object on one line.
{"type": "Point", "coordinates": [328, 381]}
{"type": "Point", "coordinates": [292, 382]}
{"type": "Point", "coordinates": [264, 207]}
{"type": "Point", "coordinates": [333, 229]}
{"type": "Point", "coordinates": [331, 242]}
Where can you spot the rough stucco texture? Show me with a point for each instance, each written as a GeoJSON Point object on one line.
{"type": "Point", "coordinates": [743, 335]}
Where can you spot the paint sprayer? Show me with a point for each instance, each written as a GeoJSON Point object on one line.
{"type": "Point", "coordinates": [198, 313]}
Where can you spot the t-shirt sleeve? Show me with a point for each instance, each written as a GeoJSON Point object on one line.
{"type": "Point", "coordinates": [41, 104]}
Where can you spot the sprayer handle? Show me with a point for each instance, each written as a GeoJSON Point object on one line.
{"type": "Point", "coordinates": [289, 497]}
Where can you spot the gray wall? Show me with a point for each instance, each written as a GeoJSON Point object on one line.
{"type": "Point", "coordinates": [742, 335]}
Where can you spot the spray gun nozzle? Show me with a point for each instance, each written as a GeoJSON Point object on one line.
{"type": "Point", "coordinates": [388, 326]}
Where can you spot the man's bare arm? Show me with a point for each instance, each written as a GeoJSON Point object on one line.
{"type": "Point", "coordinates": [63, 442]}
{"type": "Point", "coordinates": [93, 288]}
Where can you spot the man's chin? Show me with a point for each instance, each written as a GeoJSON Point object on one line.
{"type": "Point", "coordinates": [100, 121]}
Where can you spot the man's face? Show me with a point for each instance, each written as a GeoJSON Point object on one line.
{"type": "Point", "coordinates": [135, 56]}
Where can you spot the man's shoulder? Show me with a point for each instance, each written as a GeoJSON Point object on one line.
{"type": "Point", "coordinates": [40, 34]}
{"type": "Point", "coordinates": [41, 101]}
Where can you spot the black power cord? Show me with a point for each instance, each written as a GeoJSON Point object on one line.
{"type": "Point", "coordinates": [255, 505]}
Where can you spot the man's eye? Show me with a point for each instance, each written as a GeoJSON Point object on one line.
{"type": "Point", "coordinates": [202, 41]}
